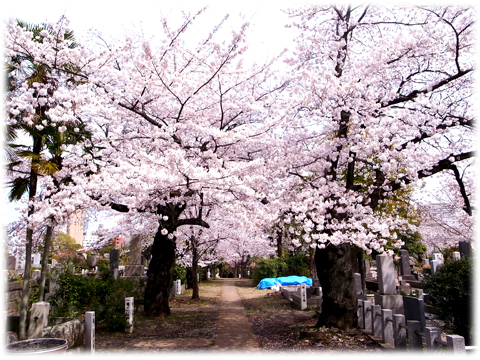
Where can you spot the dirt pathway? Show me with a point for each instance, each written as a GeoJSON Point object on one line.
{"type": "Point", "coordinates": [234, 332]}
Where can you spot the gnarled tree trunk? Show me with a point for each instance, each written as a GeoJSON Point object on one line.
{"type": "Point", "coordinates": [335, 272]}
{"type": "Point", "coordinates": [160, 269]}
{"type": "Point", "coordinates": [159, 274]}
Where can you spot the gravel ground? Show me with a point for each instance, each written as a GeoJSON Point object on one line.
{"type": "Point", "coordinates": [277, 325]}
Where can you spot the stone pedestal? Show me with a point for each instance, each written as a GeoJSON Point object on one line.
{"type": "Point", "coordinates": [38, 319]}
{"type": "Point", "coordinates": [134, 270]}
{"type": "Point", "coordinates": [389, 301]}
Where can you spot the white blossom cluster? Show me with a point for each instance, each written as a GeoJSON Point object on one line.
{"type": "Point", "coordinates": [383, 96]}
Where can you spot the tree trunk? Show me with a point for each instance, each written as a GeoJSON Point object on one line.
{"type": "Point", "coordinates": [279, 244]}
{"type": "Point", "coordinates": [46, 252]}
{"type": "Point", "coordinates": [335, 272]}
{"type": "Point", "coordinates": [159, 274]}
{"type": "Point", "coordinates": [22, 332]}
{"type": "Point", "coordinates": [32, 192]}
{"type": "Point", "coordinates": [195, 290]}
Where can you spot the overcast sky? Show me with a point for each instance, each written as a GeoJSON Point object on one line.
{"type": "Point", "coordinates": [268, 36]}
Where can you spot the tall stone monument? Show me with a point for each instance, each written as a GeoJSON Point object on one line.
{"type": "Point", "coordinates": [387, 296]}
{"type": "Point", "coordinates": [114, 258]}
{"type": "Point", "coordinates": [135, 266]}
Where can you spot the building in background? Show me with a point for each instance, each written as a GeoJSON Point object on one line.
{"type": "Point", "coordinates": [118, 241]}
{"type": "Point", "coordinates": [76, 226]}
{"type": "Point", "coordinates": [89, 241]}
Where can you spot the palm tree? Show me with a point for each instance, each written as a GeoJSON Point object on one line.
{"type": "Point", "coordinates": [45, 140]}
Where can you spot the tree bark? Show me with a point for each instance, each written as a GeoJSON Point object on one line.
{"type": "Point", "coordinates": [335, 272]}
{"type": "Point", "coordinates": [195, 290]}
{"type": "Point", "coordinates": [22, 332]}
{"type": "Point", "coordinates": [159, 274]}
{"type": "Point", "coordinates": [160, 269]}
{"type": "Point", "coordinates": [46, 252]}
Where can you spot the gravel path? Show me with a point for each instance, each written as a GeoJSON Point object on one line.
{"type": "Point", "coordinates": [232, 316]}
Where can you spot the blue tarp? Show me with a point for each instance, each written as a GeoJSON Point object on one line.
{"type": "Point", "coordinates": [284, 281]}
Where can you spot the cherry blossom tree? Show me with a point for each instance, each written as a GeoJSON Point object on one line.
{"type": "Point", "coordinates": [447, 213]}
{"type": "Point", "coordinates": [382, 97]}
{"type": "Point", "coordinates": [179, 125]}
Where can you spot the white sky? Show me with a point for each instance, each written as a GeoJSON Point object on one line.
{"type": "Point", "coordinates": [268, 36]}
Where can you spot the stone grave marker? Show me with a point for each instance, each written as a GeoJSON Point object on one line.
{"type": "Point", "coordinates": [358, 285]}
{"type": "Point", "coordinates": [129, 307]}
{"type": "Point", "coordinates": [465, 248]}
{"type": "Point", "coordinates": [114, 259]}
{"type": "Point", "coordinates": [92, 261]}
{"type": "Point", "coordinates": [405, 263]}
{"type": "Point", "coordinates": [414, 309]}
{"type": "Point", "coordinates": [36, 274]}
{"type": "Point", "coordinates": [135, 267]}
{"type": "Point", "coordinates": [38, 319]}
{"type": "Point", "coordinates": [90, 331]}
{"type": "Point", "coordinates": [387, 296]}
{"type": "Point", "coordinates": [386, 275]}
{"type": "Point", "coordinates": [36, 260]}
{"type": "Point", "coordinates": [11, 262]}
{"type": "Point", "coordinates": [303, 296]}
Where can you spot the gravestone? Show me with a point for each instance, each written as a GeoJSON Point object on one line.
{"type": "Point", "coordinates": [114, 257]}
{"type": "Point", "coordinates": [387, 296]}
{"type": "Point", "coordinates": [135, 267]}
{"type": "Point", "coordinates": [386, 275]}
{"type": "Point", "coordinates": [434, 265]}
{"type": "Point", "coordinates": [303, 296]}
{"type": "Point", "coordinates": [358, 285]}
{"type": "Point", "coordinates": [90, 331]}
{"type": "Point", "coordinates": [456, 255]}
{"type": "Point", "coordinates": [366, 264]}
{"type": "Point", "coordinates": [438, 257]}
{"type": "Point", "coordinates": [129, 307]}
{"type": "Point", "coordinates": [38, 319]}
{"type": "Point", "coordinates": [405, 263]}
{"type": "Point", "coordinates": [465, 248]}
{"type": "Point", "coordinates": [11, 262]}
{"type": "Point", "coordinates": [36, 274]}
{"type": "Point", "coordinates": [79, 260]}
{"type": "Point", "coordinates": [414, 309]}
{"type": "Point", "coordinates": [36, 261]}
{"type": "Point", "coordinates": [92, 261]}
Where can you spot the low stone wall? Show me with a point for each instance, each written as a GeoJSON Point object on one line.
{"type": "Point", "coordinates": [13, 295]}
{"type": "Point", "coordinates": [73, 331]}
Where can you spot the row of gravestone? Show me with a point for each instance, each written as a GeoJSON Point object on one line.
{"type": "Point", "coordinates": [388, 294]}
{"type": "Point", "coordinates": [400, 330]}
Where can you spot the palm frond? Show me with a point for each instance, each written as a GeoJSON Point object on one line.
{"type": "Point", "coordinates": [18, 187]}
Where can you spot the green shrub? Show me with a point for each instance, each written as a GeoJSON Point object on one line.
{"type": "Point", "coordinates": [297, 264]}
{"type": "Point", "coordinates": [450, 290]}
{"type": "Point", "coordinates": [179, 272]}
{"type": "Point", "coordinates": [290, 264]}
{"type": "Point", "coordinates": [269, 268]}
{"type": "Point", "coordinates": [105, 295]}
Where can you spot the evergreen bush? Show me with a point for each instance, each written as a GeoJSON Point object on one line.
{"type": "Point", "coordinates": [104, 294]}
{"type": "Point", "coordinates": [450, 290]}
